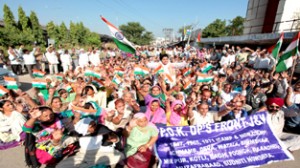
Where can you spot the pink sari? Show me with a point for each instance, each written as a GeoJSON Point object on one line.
{"type": "Point", "coordinates": [159, 116]}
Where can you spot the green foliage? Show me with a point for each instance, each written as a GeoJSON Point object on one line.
{"type": "Point", "coordinates": [63, 35]}
{"type": "Point", "coordinates": [136, 33]}
{"type": "Point", "coordinates": [219, 28]}
{"type": "Point", "coordinates": [37, 30]}
{"type": "Point", "coordinates": [23, 20]}
{"type": "Point", "coordinates": [236, 26]}
{"type": "Point", "coordinates": [28, 31]}
{"type": "Point", "coordinates": [8, 17]}
{"type": "Point", "coordinates": [216, 29]}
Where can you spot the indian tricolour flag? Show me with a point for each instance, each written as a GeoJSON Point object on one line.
{"type": "Point", "coordinates": [187, 72]}
{"type": "Point", "coordinates": [286, 59]}
{"type": "Point", "coordinates": [39, 83]}
{"type": "Point", "coordinates": [117, 80]}
{"type": "Point", "coordinates": [138, 70]}
{"type": "Point", "coordinates": [145, 70]}
{"type": "Point", "coordinates": [88, 72]}
{"type": "Point", "coordinates": [69, 88]}
{"type": "Point", "coordinates": [11, 83]}
{"type": "Point", "coordinates": [59, 76]}
{"type": "Point", "coordinates": [3, 90]}
{"type": "Point", "coordinates": [119, 71]}
{"type": "Point", "coordinates": [187, 85]}
{"type": "Point", "coordinates": [159, 70]}
{"type": "Point", "coordinates": [205, 67]}
{"type": "Point", "coordinates": [98, 83]}
{"type": "Point", "coordinates": [37, 73]}
{"type": "Point", "coordinates": [204, 78]}
{"type": "Point", "coordinates": [274, 50]}
{"type": "Point", "coordinates": [168, 79]}
{"type": "Point", "coordinates": [96, 75]}
{"type": "Point", "coordinates": [122, 43]}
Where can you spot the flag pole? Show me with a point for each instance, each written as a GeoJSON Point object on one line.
{"type": "Point", "coordinates": [293, 69]}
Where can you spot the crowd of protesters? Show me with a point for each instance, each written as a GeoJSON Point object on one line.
{"type": "Point", "coordinates": [81, 120]}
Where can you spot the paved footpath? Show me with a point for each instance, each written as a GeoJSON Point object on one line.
{"type": "Point", "coordinates": [14, 158]}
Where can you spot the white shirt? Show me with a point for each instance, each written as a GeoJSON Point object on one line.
{"type": "Point", "coordinates": [199, 119]}
{"type": "Point", "coordinates": [66, 59]}
{"type": "Point", "coordinates": [51, 57]}
{"type": "Point", "coordinates": [94, 58]}
{"type": "Point", "coordinates": [225, 60]}
{"type": "Point", "coordinates": [226, 97]}
{"type": "Point", "coordinates": [13, 58]}
{"type": "Point", "coordinates": [83, 59]}
{"type": "Point", "coordinates": [29, 59]}
{"type": "Point", "coordinates": [295, 98]}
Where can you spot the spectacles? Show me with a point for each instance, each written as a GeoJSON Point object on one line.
{"type": "Point", "coordinates": [274, 107]}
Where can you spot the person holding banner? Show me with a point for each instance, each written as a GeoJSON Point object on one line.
{"type": "Point", "coordinates": [142, 135]}
{"type": "Point", "coordinates": [276, 116]}
{"type": "Point", "coordinates": [201, 115]}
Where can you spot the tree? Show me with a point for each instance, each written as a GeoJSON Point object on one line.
{"type": "Point", "coordinates": [23, 20]}
{"type": "Point", "coordinates": [236, 26]}
{"type": "Point", "coordinates": [52, 30]}
{"type": "Point", "coordinates": [72, 34]}
{"type": "Point", "coordinates": [215, 29]}
{"type": "Point", "coordinates": [8, 17]}
{"type": "Point", "coordinates": [63, 33]}
{"type": "Point", "coordinates": [37, 30]}
{"type": "Point", "coordinates": [136, 33]}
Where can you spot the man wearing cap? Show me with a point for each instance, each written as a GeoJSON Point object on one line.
{"type": "Point", "coordinates": [276, 116]}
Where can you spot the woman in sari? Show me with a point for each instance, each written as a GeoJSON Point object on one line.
{"type": "Point", "coordinates": [155, 114]}
{"type": "Point", "coordinates": [141, 137]}
{"type": "Point", "coordinates": [11, 122]}
{"type": "Point", "coordinates": [176, 113]}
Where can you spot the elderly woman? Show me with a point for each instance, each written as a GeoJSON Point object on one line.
{"type": "Point", "coordinates": [141, 137]}
{"type": "Point", "coordinates": [11, 122]}
{"type": "Point", "coordinates": [176, 113]}
{"type": "Point", "coordinates": [155, 114]}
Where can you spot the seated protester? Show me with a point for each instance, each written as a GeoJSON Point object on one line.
{"type": "Point", "coordinates": [130, 103]}
{"type": "Point", "coordinates": [255, 98]}
{"type": "Point", "coordinates": [205, 97]}
{"type": "Point", "coordinates": [90, 109]}
{"type": "Point", "coordinates": [94, 95]}
{"type": "Point", "coordinates": [276, 116]}
{"type": "Point", "coordinates": [141, 136]}
{"type": "Point", "coordinates": [59, 108]}
{"type": "Point", "coordinates": [227, 94]}
{"type": "Point", "coordinates": [11, 122]}
{"type": "Point", "coordinates": [176, 113]}
{"type": "Point", "coordinates": [98, 146]}
{"type": "Point", "coordinates": [202, 115]}
{"type": "Point", "coordinates": [292, 100]}
{"type": "Point", "coordinates": [65, 96]}
{"type": "Point", "coordinates": [50, 135]}
{"type": "Point", "coordinates": [141, 91]}
{"type": "Point", "coordinates": [233, 111]}
{"type": "Point", "coordinates": [181, 96]}
{"type": "Point", "coordinates": [88, 127]}
{"type": "Point", "coordinates": [119, 117]}
{"type": "Point", "coordinates": [156, 92]}
{"type": "Point", "coordinates": [155, 114]}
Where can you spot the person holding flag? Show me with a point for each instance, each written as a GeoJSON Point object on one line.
{"type": "Point", "coordinates": [167, 68]}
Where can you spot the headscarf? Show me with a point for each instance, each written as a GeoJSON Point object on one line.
{"type": "Point", "coordinates": [175, 118]}
{"type": "Point", "coordinates": [82, 125]}
{"type": "Point", "coordinates": [161, 96]}
{"type": "Point", "coordinates": [276, 100]}
{"type": "Point", "coordinates": [159, 115]}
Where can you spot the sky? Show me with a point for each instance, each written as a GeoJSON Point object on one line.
{"type": "Point", "coordinates": [153, 15]}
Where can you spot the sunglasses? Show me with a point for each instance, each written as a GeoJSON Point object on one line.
{"type": "Point", "coordinates": [274, 107]}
